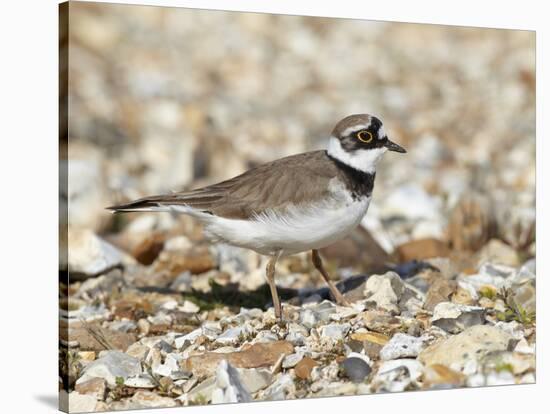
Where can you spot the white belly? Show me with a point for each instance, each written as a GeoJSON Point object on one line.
{"type": "Point", "coordinates": [297, 230]}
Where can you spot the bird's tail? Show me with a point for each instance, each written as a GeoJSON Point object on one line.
{"type": "Point", "coordinates": [152, 203]}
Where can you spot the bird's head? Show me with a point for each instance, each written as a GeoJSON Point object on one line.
{"type": "Point", "coordinates": [359, 141]}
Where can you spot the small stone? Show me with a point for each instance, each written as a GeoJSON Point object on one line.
{"type": "Point", "coordinates": [188, 339]}
{"type": "Point", "coordinates": [291, 360]}
{"type": "Point", "coordinates": [95, 387]}
{"type": "Point", "coordinates": [255, 379]}
{"type": "Point", "coordinates": [523, 347]}
{"type": "Point", "coordinates": [111, 365]}
{"type": "Point", "coordinates": [254, 356]}
{"type": "Point", "coordinates": [498, 252]}
{"type": "Point", "coordinates": [473, 343]}
{"type": "Point", "coordinates": [123, 326]}
{"type": "Point", "coordinates": [149, 399]}
{"type": "Point", "coordinates": [173, 261]}
{"type": "Point", "coordinates": [402, 346]}
{"type": "Point", "coordinates": [384, 291]}
{"type": "Point", "coordinates": [203, 391]}
{"type": "Point", "coordinates": [280, 389]}
{"type": "Point", "coordinates": [338, 388]}
{"type": "Point", "coordinates": [380, 321]}
{"type": "Point", "coordinates": [144, 326]}
{"type": "Point", "coordinates": [233, 335]}
{"type": "Point", "coordinates": [82, 403]}
{"type": "Point", "coordinates": [514, 362]}
{"type": "Point", "coordinates": [421, 249]}
{"type": "Point", "coordinates": [296, 334]}
{"type": "Point", "coordinates": [189, 307]}
{"type": "Point", "coordinates": [356, 368]}
{"type": "Point", "coordinates": [500, 378]}
{"type": "Point", "coordinates": [372, 342]}
{"type": "Point", "coordinates": [489, 275]}
{"type": "Point", "coordinates": [525, 295]}
{"type": "Point", "coordinates": [138, 351]}
{"type": "Point", "coordinates": [454, 318]}
{"type": "Point", "coordinates": [87, 356]}
{"type": "Point", "coordinates": [89, 255]}
{"type": "Point", "coordinates": [464, 295]}
{"type": "Point", "coordinates": [170, 366]}
{"type": "Point", "coordinates": [438, 376]}
{"type": "Point", "coordinates": [335, 331]}
{"type": "Point", "coordinates": [229, 388]}
{"type": "Point", "coordinates": [268, 336]}
{"type": "Point", "coordinates": [321, 312]}
{"type": "Point", "coordinates": [440, 291]}
{"type": "Point", "coordinates": [211, 330]}
{"type": "Point", "coordinates": [397, 375]}
{"type": "Point", "coordinates": [87, 313]}
{"type": "Point", "coordinates": [304, 367]}
{"type": "Point", "coordinates": [140, 381]}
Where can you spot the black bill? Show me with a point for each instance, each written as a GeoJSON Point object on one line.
{"type": "Point", "coordinates": [392, 146]}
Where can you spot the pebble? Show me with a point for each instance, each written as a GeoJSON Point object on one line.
{"type": "Point", "coordinates": [402, 346]}
{"type": "Point", "coordinates": [233, 336]}
{"type": "Point", "coordinates": [188, 339]}
{"type": "Point", "coordinates": [202, 391]}
{"type": "Point", "coordinates": [454, 318]}
{"type": "Point", "coordinates": [356, 367]}
{"type": "Point", "coordinates": [397, 375]}
{"type": "Point", "coordinates": [255, 356]}
{"type": "Point", "coordinates": [140, 381]}
{"type": "Point", "coordinates": [291, 360]}
{"type": "Point", "coordinates": [372, 342]}
{"type": "Point", "coordinates": [498, 252]}
{"type": "Point", "coordinates": [109, 366]}
{"type": "Point", "coordinates": [440, 376]}
{"type": "Point", "coordinates": [384, 291]}
{"type": "Point", "coordinates": [335, 331]}
{"type": "Point", "coordinates": [311, 315]}
{"type": "Point", "coordinates": [440, 290]}
{"type": "Point", "coordinates": [95, 387]}
{"type": "Point", "coordinates": [229, 388]}
{"type": "Point", "coordinates": [170, 366]}
{"type": "Point", "coordinates": [282, 388]}
{"type": "Point", "coordinates": [421, 249]}
{"type": "Point", "coordinates": [143, 399]}
{"type": "Point", "coordinates": [304, 367]}
{"type": "Point", "coordinates": [255, 379]}
{"type": "Point", "coordinates": [90, 255]}
{"type": "Point", "coordinates": [473, 343]}
{"type": "Point", "coordinates": [82, 403]}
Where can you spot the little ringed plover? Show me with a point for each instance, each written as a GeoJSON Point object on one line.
{"type": "Point", "coordinates": [298, 203]}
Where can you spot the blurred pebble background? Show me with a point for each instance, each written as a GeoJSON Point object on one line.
{"type": "Point", "coordinates": [164, 98]}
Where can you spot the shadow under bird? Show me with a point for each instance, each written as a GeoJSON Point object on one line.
{"type": "Point", "coordinates": [298, 203]}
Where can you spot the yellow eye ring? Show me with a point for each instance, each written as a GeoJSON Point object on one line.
{"type": "Point", "coordinates": [364, 136]}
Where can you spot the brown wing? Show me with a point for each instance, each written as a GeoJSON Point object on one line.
{"type": "Point", "coordinates": [298, 178]}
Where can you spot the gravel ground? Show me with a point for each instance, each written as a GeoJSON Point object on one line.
{"type": "Point", "coordinates": [440, 274]}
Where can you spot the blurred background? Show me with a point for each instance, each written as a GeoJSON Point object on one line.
{"type": "Point", "coordinates": [168, 98]}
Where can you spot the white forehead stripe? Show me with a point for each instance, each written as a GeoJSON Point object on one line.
{"type": "Point", "coordinates": [354, 128]}
{"type": "Point", "coordinates": [381, 132]}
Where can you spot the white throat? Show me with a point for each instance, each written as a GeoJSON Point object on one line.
{"type": "Point", "coordinates": [362, 160]}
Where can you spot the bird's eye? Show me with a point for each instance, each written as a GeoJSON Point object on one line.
{"type": "Point", "coordinates": [364, 136]}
